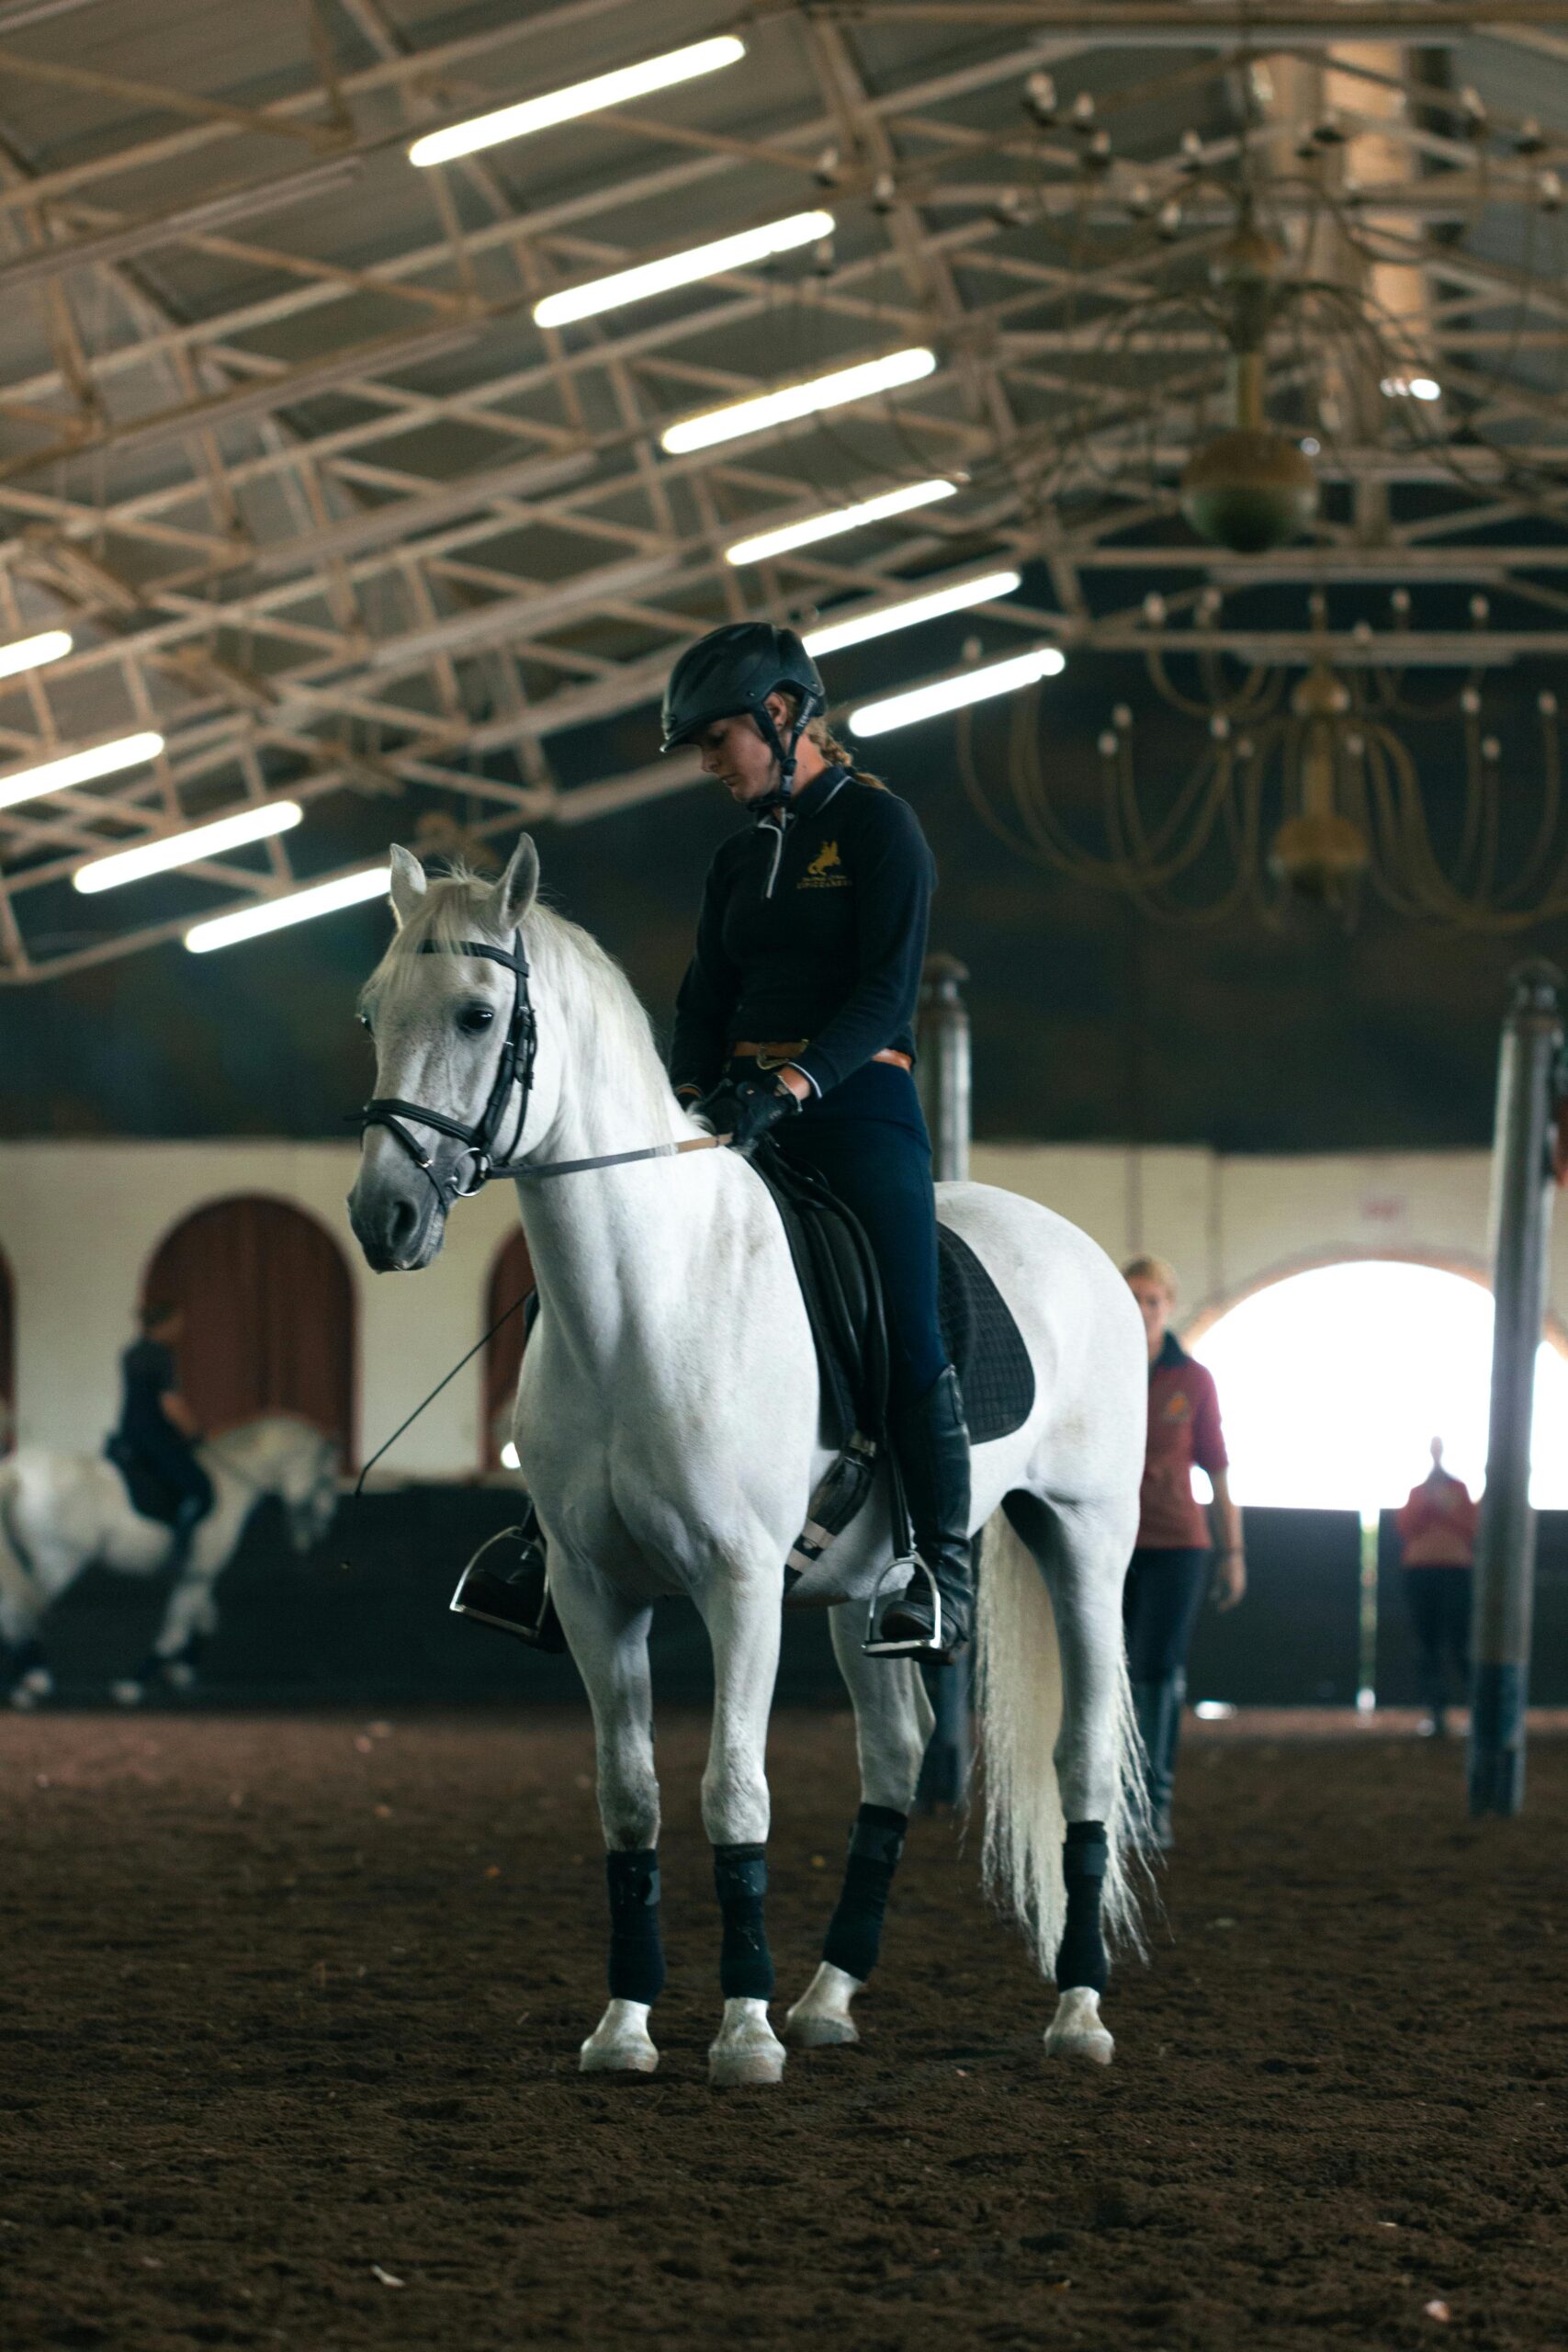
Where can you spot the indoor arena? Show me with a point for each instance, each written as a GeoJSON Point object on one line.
{"type": "Point", "coordinates": [784, 1335]}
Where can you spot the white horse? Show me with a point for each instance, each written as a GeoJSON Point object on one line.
{"type": "Point", "coordinates": [60, 1512]}
{"type": "Point", "coordinates": [668, 1429]}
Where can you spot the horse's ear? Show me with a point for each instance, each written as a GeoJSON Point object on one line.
{"type": "Point", "coordinates": [519, 884]}
{"type": "Point", "coordinates": [408, 882]}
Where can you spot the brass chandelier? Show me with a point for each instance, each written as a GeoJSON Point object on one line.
{"type": "Point", "coordinates": [1299, 791]}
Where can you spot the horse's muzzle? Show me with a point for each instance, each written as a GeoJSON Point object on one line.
{"type": "Point", "coordinates": [397, 1230]}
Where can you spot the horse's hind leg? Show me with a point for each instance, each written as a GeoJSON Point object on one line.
{"type": "Point", "coordinates": [23, 1589]}
{"type": "Point", "coordinates": [608, 1639]}
{"type": "Point", "coordinates": [893, 1724]}
{"type": "Point", "coordinates": [742, 1617]}
{"type": "Point", "coordinates": [1083, 1556]}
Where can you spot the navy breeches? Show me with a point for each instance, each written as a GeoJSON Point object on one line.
{"type": "Point", "coordinates": [867, 1140]}
{"type": "Point", "coordinates": [1160, 1602]}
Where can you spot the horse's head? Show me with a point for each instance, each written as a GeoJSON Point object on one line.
{"type": "Point", "coordinates": [450, 1058]}
{"type": "Point", "coordinates": [278, 1453]}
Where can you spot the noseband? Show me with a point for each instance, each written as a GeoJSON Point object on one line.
{"type": "Point", "coordinates": [477, 1164]}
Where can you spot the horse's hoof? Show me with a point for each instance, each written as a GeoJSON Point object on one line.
{"type": "Point", "coordinates": [1076, 2030]}
{"type": "Point", "coordinates": [127, 1693]}
{"type": "Point", "coordinates": [179, 1675]}
{"type": "Point", "coordinates": [747, 2050]}
{"type": "Point", "coordinates": [820, 2019]}
{"type": "Point", "coordinates": [31, 1690]}
{"type": "Point", "coordinates": [620, 2043]}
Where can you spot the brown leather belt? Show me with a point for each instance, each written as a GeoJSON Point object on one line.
{"type": "Point", "coordinates": [774, 1056]}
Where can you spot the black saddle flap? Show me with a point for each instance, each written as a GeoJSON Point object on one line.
{"type": "Point", "coordinates": [147, 1494]}
{"type": "Point", "coordinates": [843, 1303]}
{"type": "Point", "coordinates": [842, 1291]}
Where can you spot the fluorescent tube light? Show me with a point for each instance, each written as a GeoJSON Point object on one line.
{"type": "Point", "coordinates": [956, 597]}
{"type": "Point", "coordinates": [837, 518]}
{"type": "Point", "coordinates": [844, 384]}
{"type": "Point", "coordinates": [300, 906]}
{"type": "Point", "coordinates": [680, 269]}
{"type": "Point", "coordinates": [254, 824]}
{"type": "Point", "coordinates": [78, 768]}
{"type": "Point", "coordinates": [604, 90]}
{"type": "Point", "coordinates": [953, 694]}
{"type": "Point", "coordinates": [32, 652]}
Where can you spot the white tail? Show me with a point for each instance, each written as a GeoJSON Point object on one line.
{"type": "Point", "coordinates": [1020, 1688]}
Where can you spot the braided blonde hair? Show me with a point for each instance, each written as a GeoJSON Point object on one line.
{"type": "Point", "coordinates": [817, 732]}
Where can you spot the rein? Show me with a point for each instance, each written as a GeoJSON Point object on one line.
{"type": "Point", "coordinates": [515, 1069]}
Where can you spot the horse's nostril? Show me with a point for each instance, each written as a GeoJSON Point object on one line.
{"type": "Point", "coordinates": [403, 1224]}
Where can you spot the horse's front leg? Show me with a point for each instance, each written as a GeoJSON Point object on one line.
{"type": "Point", "coordinates": [742, 1617]}
{"type": "Point", "coordinates": [892, 1723]}
{"type": "Point", "coordinates": [608, 1639]}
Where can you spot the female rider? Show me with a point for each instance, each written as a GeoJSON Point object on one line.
{"type": "Point", "coordinates": [797, 1017]}
{"type": "Point", "coordinates": [796, 1020]}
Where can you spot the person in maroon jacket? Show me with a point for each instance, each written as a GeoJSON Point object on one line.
{"type": "Point", "coordinates": [1437, 1537]}
{"type": "Point", "coordinates": [1172, 1567]}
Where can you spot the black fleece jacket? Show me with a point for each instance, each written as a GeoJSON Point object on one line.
{"type": "Point", "coordinates": [813, 926]}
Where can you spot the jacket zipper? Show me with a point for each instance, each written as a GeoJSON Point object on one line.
{"type": "Point", "coordinates": [776, 825]}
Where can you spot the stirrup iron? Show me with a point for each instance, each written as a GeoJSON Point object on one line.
{"type": "Point", "coordinates": [906, 1645]}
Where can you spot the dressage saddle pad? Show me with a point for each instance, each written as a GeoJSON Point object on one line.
{"type": "Point", "coordinates": [843, 1304]}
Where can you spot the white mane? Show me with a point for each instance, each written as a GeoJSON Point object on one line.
{"type": "Point", "coordinates": [612, 1045]}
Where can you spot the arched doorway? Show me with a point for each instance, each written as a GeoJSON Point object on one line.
{"type": "Point", "coordinates": [7, 1358]}
{"type": "Point", "coordinates": [1333, 1381]}
{"type": "Point", "coordinates": [269, 1306]}
{"type": "Point", "coordinates": [510, 1277]}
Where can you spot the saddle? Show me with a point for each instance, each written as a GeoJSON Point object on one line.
{"type": "Point", "coordinates": [843, 1295]}
{"type": "Point", "coordinates": [147, 1494]}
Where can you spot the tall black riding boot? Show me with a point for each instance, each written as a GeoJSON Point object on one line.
{"type": "Point", "coordinates": [933, 1614]}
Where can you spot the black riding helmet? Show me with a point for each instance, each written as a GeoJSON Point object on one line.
{"type": "Point", "coordinates": [735, 669]}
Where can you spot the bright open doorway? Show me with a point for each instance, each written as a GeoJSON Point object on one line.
{"type": "Point", "coordinates": [1333, 1382]}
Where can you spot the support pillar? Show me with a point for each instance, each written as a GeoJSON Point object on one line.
{"type": "Point", "coordinates": [944, 1093]}
{"type": "Point", "coordinates": [1528, 1076]}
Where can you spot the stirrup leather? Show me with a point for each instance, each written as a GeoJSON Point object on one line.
{"type": "Point", "coordinates": [904, 1645]}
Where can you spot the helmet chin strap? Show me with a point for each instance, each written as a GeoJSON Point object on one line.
{"type": "Point", "coordinates": [783, 752]}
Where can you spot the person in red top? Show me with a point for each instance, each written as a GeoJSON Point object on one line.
{"type": "Point", "coordinates": [1171, 1568]}
{"type": "Point", "coordinates": [1437, 1537]}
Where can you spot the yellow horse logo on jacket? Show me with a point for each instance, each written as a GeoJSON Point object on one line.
{"type": "Point", "coordinates": [826, 857]}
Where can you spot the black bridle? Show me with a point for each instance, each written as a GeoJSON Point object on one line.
{"type": "Point", "coordinates": [515, 1067]}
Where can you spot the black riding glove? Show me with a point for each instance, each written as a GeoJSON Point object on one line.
{"type": "Point", "coordinates": [744, 1109]}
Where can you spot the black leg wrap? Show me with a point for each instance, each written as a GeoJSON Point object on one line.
{"type": "Point", "coordinates": [637, 1956]}
{"type": "Point", "coordinates": [1081, 1959]}
{"type": "Point", "coordinates": [745, 1965]}
{"type": "Point", "coordinates": [854, 1933]}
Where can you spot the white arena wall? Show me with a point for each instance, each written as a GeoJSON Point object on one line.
{"type": "Point", "coordinates": [79, 1222]}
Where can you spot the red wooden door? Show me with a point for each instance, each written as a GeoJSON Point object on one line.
{"type": "Point", "coordinates": [268, 1306]}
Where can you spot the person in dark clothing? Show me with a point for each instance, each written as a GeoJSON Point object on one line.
{"type": "Point", "coordinates": [1437, 1538]}
{"type": "Point", "coordinates": [796, 1019]}
{"type": "Point", "coordinates": [158, 1431]}
{"type": "Point", "coordinates": [1172, 1567]}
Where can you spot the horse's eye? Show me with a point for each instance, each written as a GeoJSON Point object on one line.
{"type": "Point", "coordinates": [475, 1018]}
{"type": "Point", "coordinates": [364, 1019]}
